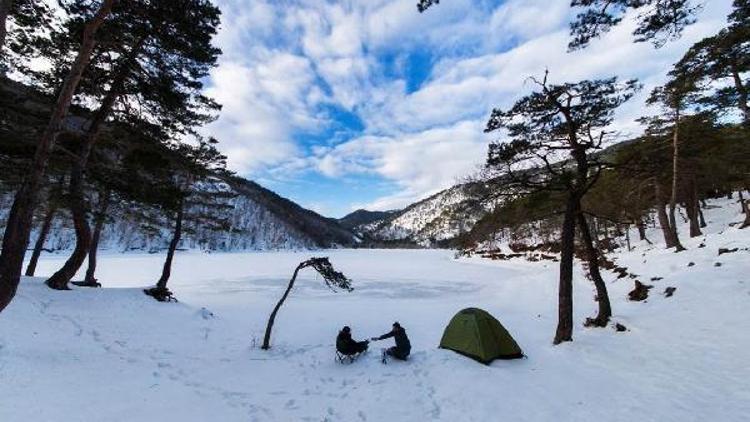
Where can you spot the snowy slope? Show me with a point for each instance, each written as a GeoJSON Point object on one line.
{"type": "Point", "coordinates": [113, 354]}
{"type": "Point", "coordinates": [258, 220]}
{"type": "Point", "coordinates": [442, 216]}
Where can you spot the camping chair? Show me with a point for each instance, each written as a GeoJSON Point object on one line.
{"type": "Point", "coordinates": [347, 358]}
{"type": "Point", "coordinates": [343, 356]}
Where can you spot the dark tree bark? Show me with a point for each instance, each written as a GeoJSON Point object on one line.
{"type": "Point", "coordinates": [692, 208]}
{"type": "Point", "coordinates": [564, 330]}
{"type": "Point", "coordinates": [743, 206]}
{"type": "Point", "coordinates": [592, 256]}
{"type": "Point", "coordinates": [101, 218]}
{"type": "Point", "coordinates": [161, 292]}
{"type": "Point", "coordinates": [39, 245]}
{"type": "Point", "coordinates": [267, 336]}
{"type": "Point", "coordinates": [701, 218]}
{"type": "Point", "coordinates": [78, 204]}
{"type": "Point", "coordinates": [18, 224]}
{"type": "Point", "coordinates": [60, 279]}
{"type": "Point", "coordinates": [661, 215]}
{"type": "Point", "coordinates": [167, 270]}
{"type": "Point", "coordinates": [675, 184]}
{"type": "Point", "coordinates": [641, 229]}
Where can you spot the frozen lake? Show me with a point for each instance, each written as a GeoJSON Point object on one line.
{"type": "Point", "coordinates": [114, 354]}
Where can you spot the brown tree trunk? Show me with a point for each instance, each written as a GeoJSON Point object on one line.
{"type": "Point", "coordinates": [167, 270]}
{"type": "Point", "coordinates": [661, 215]}
{"type": "Point", "coordinates": [743, 206]}
{"type": "Point", "coordinates": [269, 326]}
{"type": "Point", "coordinates": [701, 217]}
{"type": "Point", "coordinates": [564, 330]}
{"type": "Point", "coordinates": [641, 229]}
{"type": "Point", "coordinates": [39, 245]}
{"type": "Point", "coordinates": [18, 224]}
{"type": "Point", "coordinates": [675, 184]}
{"type": "Point", "coordinates": [692, 208]}
{"type": "Point", "coordinates": [79, 206]}
{"type": "Point", "coordinates": [101, 218]}
{"type": "Point", "coordinates": [592, 257]}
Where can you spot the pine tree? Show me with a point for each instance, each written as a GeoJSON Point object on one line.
{"type": "Point", "coordinates": [724, 57]}
{"type": "Point", "coordinates": [659, 21]}
{"type": "Point", "coordinates": [554, 131]}
{"type": "Point", "coordinates": [194, 172]}
{"type": "Point", "coordinates": [675, 97]}
{"type": "Point", "coordinates": [18, 228]}
{"type": "Point", "coordinates": [163, 52]}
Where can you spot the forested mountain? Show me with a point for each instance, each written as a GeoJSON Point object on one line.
{"type": "Point", "coordinates": [258, 219]}
{"type": "Point", "coordinates": [363, 217]}
{"type": "Point", "coordinates": [435, 220]}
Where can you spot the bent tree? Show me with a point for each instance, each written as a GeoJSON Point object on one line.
{"type": "Point", "coordinates": [19, 222]}
{"type": "Point", "coordinates": [553, 133]}
{"type": "Point", "coordinates": [333, 279]}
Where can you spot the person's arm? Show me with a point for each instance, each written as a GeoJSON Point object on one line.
{"type": "Point", "coordinates": [384, 336]}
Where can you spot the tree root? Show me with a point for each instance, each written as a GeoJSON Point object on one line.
{"type": "Point", "coordinates": [162, 294]}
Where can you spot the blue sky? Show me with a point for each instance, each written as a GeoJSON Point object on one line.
{"type": "Point", "coordinates": [340, 105]}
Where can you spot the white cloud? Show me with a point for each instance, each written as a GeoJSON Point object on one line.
{"type": "Point", "coordinates": [285, 61]}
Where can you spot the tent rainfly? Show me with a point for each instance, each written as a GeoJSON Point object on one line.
{"type": "Point", "coordinates": [475, 333]}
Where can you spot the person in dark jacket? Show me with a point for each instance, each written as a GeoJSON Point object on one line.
{"type": "Point", "coordinates": [402, 348]}
{"type": "Point", "coordinates": [346, 345]}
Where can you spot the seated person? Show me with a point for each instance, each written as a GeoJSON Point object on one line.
{"type": "Point", "coordinates": [403, 346]}
{"type": "Point", "coordinates": [346, 345]}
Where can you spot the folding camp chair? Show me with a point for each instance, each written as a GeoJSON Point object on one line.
{"type": "Point", "coordinates": [344, 358]}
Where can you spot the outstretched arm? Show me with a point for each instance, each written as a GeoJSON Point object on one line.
{"type": "Point", "coordinates": [384, 336]}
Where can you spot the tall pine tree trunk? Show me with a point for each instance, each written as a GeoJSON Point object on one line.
{"type": "Point", "coordinates": [161, 292]}
{"type": "Point", "coordinates": [101, 218]}
{"type": "Point", "coordinates": [592, 257]}
{"type": "Point", "coordinates": [41, 239]}
{"type": "Point", "coordinates": [675, 184]}
{"type": "Point", "coordinates": [692, 208]}
{"type": "Point", "coordinates": [79, 205]}
{"type": "Point", "coordinates": [701, 217]}
{"type": "Point", "coordinates": [564, 330]}
{"type": "Point", "coordinates": [661, 215]}
{"type": "Point", "coordinates": [641, 229]}
{"type": "Point", "coordinates": [743, 206]}
{"type": "Point", "coordinates": [18, 224]}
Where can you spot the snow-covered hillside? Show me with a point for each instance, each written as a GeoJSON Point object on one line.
{"type": "Point", "coordinates": [114, 354]}
{"type": "Point", "coordinates": [258, 220]}
{"type": "Point", "coordinates": [442, 216]}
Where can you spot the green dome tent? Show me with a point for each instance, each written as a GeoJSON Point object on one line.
{"type": "Point", "coordinates": [477, 334]}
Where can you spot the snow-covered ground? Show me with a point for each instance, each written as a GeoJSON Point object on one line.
{"type": "Point", "coordinates": [113, 354]}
